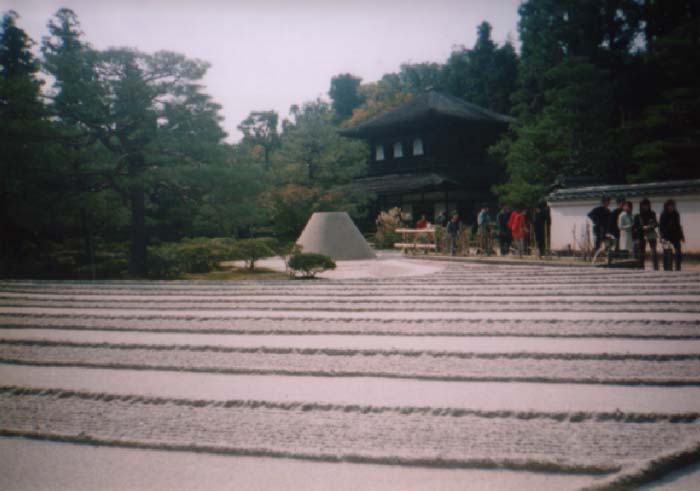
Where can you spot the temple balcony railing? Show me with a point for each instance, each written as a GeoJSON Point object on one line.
{"type": "Point", "coordinates": [474, 170]}
{"type": "Point", "coordinates": [403, 165]}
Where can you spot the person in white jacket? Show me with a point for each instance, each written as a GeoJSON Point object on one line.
{"type": "Point", "coordinates": [625, 223]}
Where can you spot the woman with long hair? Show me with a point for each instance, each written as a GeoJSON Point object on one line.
{"type": "Point", "coordinates": [624, 225]}
{"type": "Point", "coordinates": [671, 229]}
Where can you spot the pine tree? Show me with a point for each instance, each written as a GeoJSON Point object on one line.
{"type": "Point", "coordinates": [571, 136]}
{"type": "Point", "coordinates": [668, 136]}
{"type": "Point", "coordinates": [24, 130]}
{"type": "Point", "coordinates": [485, 74]}
{"type": "Point", "coordinates": [260, 132]}
{"type": "Point", "coordinates": [577, 86]}
{"type": "Point", "coordinates": [345, 94]}
{"type": "Point", "coordinates": [146, 118]}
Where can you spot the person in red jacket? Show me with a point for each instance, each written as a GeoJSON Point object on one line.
{"type": "Point", "coordinates": [422, 222]}
{"type": "Point", "coordinates": [518, 228]}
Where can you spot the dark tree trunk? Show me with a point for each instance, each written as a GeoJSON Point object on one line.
{"type": "Point", "coordinates": [87, 239]}
{"type": "Point", "coordinates": [5, 246]}
{"type": "Point", "coordinates": [137, 202]}
{"type": "Point", "coordinates": [139, 239]}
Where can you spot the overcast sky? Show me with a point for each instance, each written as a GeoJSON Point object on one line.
{"type": "Point", "coordinates": [269, 54]}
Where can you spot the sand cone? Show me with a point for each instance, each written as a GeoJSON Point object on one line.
{"type": "Point", "coordinates": [334, 234]}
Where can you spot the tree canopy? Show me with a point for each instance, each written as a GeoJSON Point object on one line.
{"type": "Point", "coordinates": [345, 94]}
{"type": "Point", "coordinates": [25, 133]}
{"type": "Point", "coordinates": [606, 89]}
{"type": "Point", "coordinates": [485, 75]}
{"type": "Point", "coordinates": [312, 163]}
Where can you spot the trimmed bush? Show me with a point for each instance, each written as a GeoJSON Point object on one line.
{"type": "Point", "coordinates": [195, 255]}
{"type": "Point", "coordinates": [309, 264]}
{"type": "Point", "coordinates": [251, 250]}
{"type": "Point", "coordinates": [165, 262]}
{"type": "Point", "coordinates": [202, 255]}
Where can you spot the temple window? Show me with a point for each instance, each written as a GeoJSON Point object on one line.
{"type": "Point", "coordinates": [418, 146]}
{"type": "Point", "coordinates": [398, 150]}
{"type": "Point", "coordinates": [379, 152]}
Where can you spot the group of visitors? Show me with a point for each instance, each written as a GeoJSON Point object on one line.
{"type": "Point", "coordinates": [629, 234]}
{"type": "Point", "coordinates": [514, 229]}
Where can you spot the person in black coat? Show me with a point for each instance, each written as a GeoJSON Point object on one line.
{"type": "Point", "coordinates": [600, 216]}
{"type": "Point", "coordinates": [644, 230]}
{"type": "Point", "coordinates": [505, 238]}
{"type": "Point", "coordinates": [452, 229]}
{"type": "Point", "coordinates": [541, 222]}
{"type": "Point", "coordinates": [442, 219]}
{"type": "Point", "coordinates": [671, 229]}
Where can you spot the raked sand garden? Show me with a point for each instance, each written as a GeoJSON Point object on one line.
{"type": "Point", "coordinates": [386, 374]}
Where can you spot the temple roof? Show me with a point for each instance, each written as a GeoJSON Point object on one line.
{"type": "Point", "coordinates": [665, 188]}
{"type": "Point", "coordinates": [423, 106]}
{"type": "Point", "coordinates": [403, 183]}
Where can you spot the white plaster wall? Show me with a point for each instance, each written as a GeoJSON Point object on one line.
{"type": "Point", "coordinates": [570, 215]}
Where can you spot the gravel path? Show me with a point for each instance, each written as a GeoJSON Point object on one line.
{"type": "Point", "coordinates": [619, 368]}
{"type": "Point", "coordinates": [586, 372]}
{"type": "Point", "coordinates": [466, 344]}
{"type": "Point", "coordinates": [511, 396]}
{"type": "Point", "coordinates": [575, 443]}
{"type": "Point", "coordinates": [492, 324]}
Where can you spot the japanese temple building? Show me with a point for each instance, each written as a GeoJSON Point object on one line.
{"type": "Point", "coordinates": [430, 155]}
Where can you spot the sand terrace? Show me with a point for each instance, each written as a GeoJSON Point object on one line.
{"type": "Point", "coordinates": [458, 375]}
